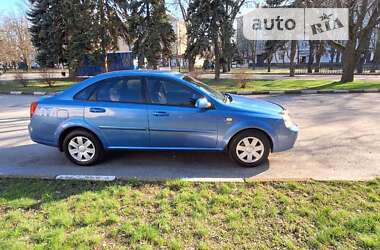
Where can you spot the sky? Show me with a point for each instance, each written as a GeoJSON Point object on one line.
{"type": "Point", "coordinates": [12, 6]}
{"type": "Point", "coordinates": [20, 6]}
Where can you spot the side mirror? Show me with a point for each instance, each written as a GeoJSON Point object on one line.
{"type": "Point", "coordinates": [202, 103]}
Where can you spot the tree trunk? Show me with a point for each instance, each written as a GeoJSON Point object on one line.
{"type": "Point", "coordinates": [253, 51]}
{"type": "Point", "coordinates": [317, 64]}
{"type": "Point", "coordinates": [224, 65]}
{"type": "Point", "coordinates": [348, 72]}
{"type": "Point", "coordinates": [106, 69]}
{"type": "Point", "coordinates": [217, 59]}
{"type": "Point", "coordinates": [338, 55]}
{"type": "Point", "coordinates": [298, 53]}
{"type": "Point", "coordinates": [191, 64]}
{"type": "Point", "coordinates": [349, 62]}
{"type": "Point", "coordinates": [363, 55]}
{"type": "Point", "coordinates": [71, 73]}
{"type": "Point", "coordinates": [311, 57]}
{"type": "Point", "coordinates": [376, 56]}
{"type": "Point", "coordinates": [269, 62]}
{"type": "Point", "coordinates": [319, 54]}
{"type": "Point", "coordinates": [293, 51]}
{"type": "Point", "coordinates": [360, 67]}
{"type": "Point", "coordinates": [332, 55]}
{"type": "Point", "coordinates": [141, 61]}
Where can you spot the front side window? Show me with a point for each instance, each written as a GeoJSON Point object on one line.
{"type": "Point", "coordinates": [119, 90]}
{"type": "Point", "coordinates": [165, 92]}
{"type": "Point", "coordinates": [215, 93]}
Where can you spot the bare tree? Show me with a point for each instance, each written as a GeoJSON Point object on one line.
{"type": "Point", "coordinates": [252, 49]}
{"type": "Point", "coordinates": [7, 47]}
{"type": "Point", "coordinates": [376, 58]}
{"type": "Point", "coordinates": [311, 57]}
{"type": "Point", "coordinates": [183, 5]}
{"type": "Point", "coordinates": [15, 45]}
{"type": "Point", "coordinates": [293, 51]}
{"type": "Point", "coordinates": [320, 51]}
{"type": "Point", "coordinates": [364, 17]}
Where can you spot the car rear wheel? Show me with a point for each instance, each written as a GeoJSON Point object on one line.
{"type": "Point", "coordinates": [82, 148]}
{"type": "Point", "coordinates": [250, 148]}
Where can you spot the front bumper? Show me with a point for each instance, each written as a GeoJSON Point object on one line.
{"type": "Point", "coordinates": [286, 138]}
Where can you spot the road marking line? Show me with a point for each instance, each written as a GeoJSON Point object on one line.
{"type": "Point", "coordinates": [86, 177]}
{"type": "Point", "coordinates": [39, 93]}
{"type": "Point", "coordinates": [276, 92]}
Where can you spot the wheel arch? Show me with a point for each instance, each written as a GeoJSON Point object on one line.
{"type": "Point", "coordinates": [270, 139]}
{"type": "Point", "coordinates": [68, 130]}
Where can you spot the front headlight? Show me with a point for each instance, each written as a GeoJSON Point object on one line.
{"type": "Point", "coordinates": [287, 120]}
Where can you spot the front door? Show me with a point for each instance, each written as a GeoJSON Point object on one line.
{"type": "Point", "coordinates": [117, 107]}
{"type": "Point", "coordinates": [174, 122]}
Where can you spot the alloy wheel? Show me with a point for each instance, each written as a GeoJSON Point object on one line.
{"type": "Point", "coordinates": [250, 149]}
{"type": "Point", "coordinates": [81, 148]}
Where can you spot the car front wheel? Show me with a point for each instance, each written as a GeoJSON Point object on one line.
{"type": "Point", "coordinates": [82, 148]}
{"type": "Point", "coordinates": [250, 148]}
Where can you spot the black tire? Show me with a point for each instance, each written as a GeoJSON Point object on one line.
{"type": "Point", "coordinates": [263, 138]}
{"type": "Point", "coordinates": [96, 157]}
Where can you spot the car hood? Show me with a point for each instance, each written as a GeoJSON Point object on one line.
{"type": "Point", "coordinates": [255, 105]}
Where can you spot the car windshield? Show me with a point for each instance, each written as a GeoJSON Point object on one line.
{"type": "Point", "coordinates": [215, 93]}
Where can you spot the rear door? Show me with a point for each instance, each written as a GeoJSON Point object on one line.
{"type": "Point", "coordinates": [174, 122]}
{"type": "Point", "coordinates": [118, 108]}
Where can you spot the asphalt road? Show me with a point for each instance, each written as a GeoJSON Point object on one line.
{"type": "Point", "coordinates": [339, 140]}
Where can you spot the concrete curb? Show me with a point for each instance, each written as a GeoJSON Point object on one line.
{"type": "Point", "coordinates": [306, 92]}
{"type": "Point", "coordinates": [112, 178]}
{"type": "Point", "coordinates": [277, 92]}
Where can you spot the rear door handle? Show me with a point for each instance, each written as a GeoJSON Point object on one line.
{"type": "Point", "coordinates": [160, 113]}
{"type": "Point", "coordinates": [97, 110]}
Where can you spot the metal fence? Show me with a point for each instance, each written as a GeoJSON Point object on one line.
{"type": "Point", "coordinates": [337, 69]}
{"type": "Point", "coordinates": [322, 69]}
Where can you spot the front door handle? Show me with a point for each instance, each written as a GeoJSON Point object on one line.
{"type": "Point", "coordinates": [160, 113]}
{"type": "Point", "coordinates": [97, 110]}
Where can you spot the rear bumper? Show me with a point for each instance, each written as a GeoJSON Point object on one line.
{"type": "Point", "coordinates": [286, 138]}
{"type": "Point", "coordinates": [34, 137]}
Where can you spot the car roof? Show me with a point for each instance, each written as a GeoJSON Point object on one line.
{"type": "Point", "coordinates": [69, 93]}
{"type": "Point", "coordinates": [141, 73]}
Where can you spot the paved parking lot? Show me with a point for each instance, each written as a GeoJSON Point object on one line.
{"type": "Point", "coordinates": [339, 140]}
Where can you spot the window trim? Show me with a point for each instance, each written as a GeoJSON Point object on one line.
{"type": "Point", "coordinates": [149, 100]}
{"type": "Point", "coordinates": [99, 84]}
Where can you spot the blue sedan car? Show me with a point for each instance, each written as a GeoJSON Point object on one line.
{"type": "Point", "coordinates": [152, 110]}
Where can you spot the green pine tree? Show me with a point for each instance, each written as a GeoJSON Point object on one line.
{"type": "Point", "coordinates": [212, 27]}
{"type": "Point", "coordinates": [152, 32]}
{"type": "Point", "coordinates": [48, 31]}
{"type": "Point", "coordinates": [64, 32]}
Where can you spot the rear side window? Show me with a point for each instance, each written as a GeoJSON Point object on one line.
{"type": "Point", "coordinates": [85, 94]}
{"type": "Point", "coordinates": [165, 92]}
{"type": "Point", "coordinates": [120, 89]}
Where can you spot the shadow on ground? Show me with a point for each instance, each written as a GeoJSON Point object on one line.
{"type": "Point", "coordinates": [39, 161]}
